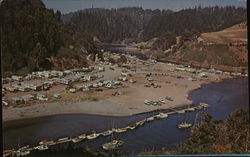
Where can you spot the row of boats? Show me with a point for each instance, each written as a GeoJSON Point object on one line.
{"type": "Point", "coordinates": [113, 144]}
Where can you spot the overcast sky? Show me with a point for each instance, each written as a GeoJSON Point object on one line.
{"type": "Point", "coordinates": [66, 6]}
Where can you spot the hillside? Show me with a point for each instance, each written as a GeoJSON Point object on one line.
{"type": "Point", "coordinates": [32, 34]}
{"type": "Point", "coordinates": [225, 49]}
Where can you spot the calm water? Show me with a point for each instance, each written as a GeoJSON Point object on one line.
{"type": "Point", "coordinates": [225, 97]}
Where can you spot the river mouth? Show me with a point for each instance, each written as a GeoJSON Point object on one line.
{"type": "Point", "coordinates": [225, 97]}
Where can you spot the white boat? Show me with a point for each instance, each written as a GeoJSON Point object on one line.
{"type": "Point", "coordinates": [150, 119]}
{"type": "Point", "coordinates": [181, 111]}
{"type": "Point", "coordinates": [42, 147]}
{"type": "Point", "coordinates": [92, 136]}
{"type": "Point", "coordinates": [63, 139]}
{"type": "Point", "coordinates": [106, 133]}
{"type": "Point", "coordinates": [204, 105]}
{"type": "Point", "coordinates": [114, 144]}
{"type": "Point", "coordinates": [83, 136]}
{"type": "Point", "coordinates": [184, 125]}
{"type": "Point", "coordinates": [23, 153]}
{"type": "Point", "coordinates": [119, 130]}
{"type": "Point", "coordinates": [76, 140]}
{"type": "Point", "coordinates": [162, 115]}
{"type": "Point", "coordinates": [131, 127]}
{"type": "Point", "coordinates": [190, 109]}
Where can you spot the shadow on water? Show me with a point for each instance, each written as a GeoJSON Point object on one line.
{"type": "Point", "coordinates": [224, 97]}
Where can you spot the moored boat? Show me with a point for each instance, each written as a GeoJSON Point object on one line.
{"type": "Point", "coordinates": [205, 105]}
{"type": "Point", "coordinates": [76, 140]}
{"type": "Point", "coordinates": [162, 115]}
{"type": "Point", "coordinates": [114, 144]}
{"type": "Point", "coordinates": [92, 136]}
{"type": "Point", "coordinates": [106, 133]}
{"type": "Point", "coordinates": [181, 111]}
{"type": "Point", "coordinates": [150, 119]}
{"type": "Point", "coordinates": [184, 125]}
{"type": "Point", "coordinates": [119, 130]}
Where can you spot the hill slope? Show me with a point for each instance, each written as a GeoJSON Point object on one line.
{"type": "Point", "coordinates": [225, 50]}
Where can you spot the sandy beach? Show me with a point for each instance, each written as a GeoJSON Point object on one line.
{"type": "Point", "coordinates": [129, 103]}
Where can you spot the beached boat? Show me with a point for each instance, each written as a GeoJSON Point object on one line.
{"type": "Point", "coordinates": [114, 144]}
{"type": "Point", "coordinates": [92, 136]}
{"type": "Point", "coordinates": [106, 133]}
{"type": "Point", "coordinates": [162, 115]}
{"type": "Point", "coordinates": [119, 130]}
{"type": "Point", "coordinates": [184, 125]}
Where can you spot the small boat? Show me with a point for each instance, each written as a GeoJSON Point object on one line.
{"type": "Point", "coordinates": [184, 125]}
{"type": "Point", "coordinates": [42, 147]}
{"type": "Point", "coordinates": [190, 109]}
{"type": "Point", "coordinates": [204, 105]}
{"type": "Point", "coordinates": [92, 136]}
{"type": "Point", "coordinates": [25, 152]}
{"type": "Point", "coordinates": [131, 127]}
{"type": "Point", "coordinates": [76, 140]}
{"type": "Point", "coordinates": [181, 111]}
{"type": "Point", "coordinates": [46, 142]}
{"type": "Point", "coordinates": [119, 130]}
{"type": "Point", "coordinates": [63, 139]}
{"type": "Point", "coordinates": [114, 144]}
{"type": "Point", "coordinates": [162, 115]}
{"type": "Point", "coordinates": [150, 119]}
{"type": "Point", "coordinates": [83, 136]}
{"type": "Point", "coordinates": [106, 133]}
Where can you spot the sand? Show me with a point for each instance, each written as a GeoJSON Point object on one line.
{"type": "Point", "coordinates": [129, 103]}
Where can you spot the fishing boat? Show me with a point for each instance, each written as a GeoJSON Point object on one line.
{"type": "Point", "coordinates": [106, 133]}
{"type": "Point", "coordinates": [92, 136]}
{"type": "Point", "coordinates": [184, 125]}
{"type": "Point", "coordinates": [119, 130]}
{"type": "Point", "coordinates": [114, 144]}
{"type": "Point", "coordinates": [162, 115]}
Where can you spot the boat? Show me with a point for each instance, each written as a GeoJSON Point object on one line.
{"type": "Point", "coordinates": [190, 109]}
{"type": "Point", "coordinates": [92, 136]}
{"type": "Point", "coordinates": [181, 111]}
{"type": "Point", "coordinates": [119, 130]}
{"type": "Point", "coordinates": [162, 115]}
{"type": "Point", "coordinates": [42, 147]}
{"type": "Point", "coordinates": [150, 119]}
{"type": "Point", "coordinates": [46, 142]}
{"type": "Point", "coordinates": [205, 105]}
{"type": "Point", "coordinates": [131, 127]}
{"type": "Point", "coordinates": [106, 133]}
{"type": "Point", "coordinates": [63, 139]}
{"type": "Point", "coordinates": [184, 125]}
{"type": "Point", "coordinates": [76, 140]}
{"type": "Point", "coordinates": [114, 144]}
{"type": "Point", "coordinates": [24, 152]}
{"type": "Point", "coordinates": [83, 136]}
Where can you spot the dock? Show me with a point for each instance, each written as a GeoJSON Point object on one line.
{"type": "Point", "coordinates": [44, 145]}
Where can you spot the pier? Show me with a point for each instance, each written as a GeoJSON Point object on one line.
{"type": "Point", "coordinates": [45, 144]}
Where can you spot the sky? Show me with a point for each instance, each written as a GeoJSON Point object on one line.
{"type": "Point", "coordinates": [66, 6]}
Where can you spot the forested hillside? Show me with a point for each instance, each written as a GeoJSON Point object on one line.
{"type": "Point", "coordinates": [136, 24]}
{"type": "Point", "coordinates": [31, 34]}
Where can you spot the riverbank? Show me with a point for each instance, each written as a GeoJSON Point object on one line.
{"type": "Point", "coordinates": [130, 102]}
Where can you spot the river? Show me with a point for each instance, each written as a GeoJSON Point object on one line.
{"type": "Point", "coordinates": [224, 97]}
